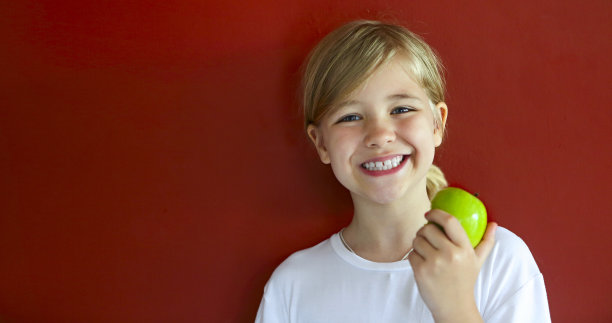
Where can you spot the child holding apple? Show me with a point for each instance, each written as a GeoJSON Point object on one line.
{"type": "Point", "coordinates": [374, 110]}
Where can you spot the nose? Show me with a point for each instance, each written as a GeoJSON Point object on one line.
{"type": "Point", "coordinates": [378, 133]}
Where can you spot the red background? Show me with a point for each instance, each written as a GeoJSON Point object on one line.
{"type": "Point", "coordinates": [154, 168]}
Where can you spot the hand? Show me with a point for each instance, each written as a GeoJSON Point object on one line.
{"type": "Point", "coordinates": [446, 266]}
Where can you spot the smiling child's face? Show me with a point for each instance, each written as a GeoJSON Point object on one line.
{"type": "Point", "coordinates": [381, 140]}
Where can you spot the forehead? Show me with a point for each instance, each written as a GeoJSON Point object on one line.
{"type": "Point", "coordinates": [392, 79]}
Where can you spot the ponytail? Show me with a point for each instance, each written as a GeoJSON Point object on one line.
{"type": "Point", "coordinates": [435, 181]}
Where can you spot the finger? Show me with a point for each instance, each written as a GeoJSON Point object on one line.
{"type": "Point", "coordinates": [451, 226]}
{"type": "Point", "coordinates": [415, 259]}
{"type": "Point", "coordinates": [434, 234]}
{"type": "Point", "coordinates": [423, 247]}
{"type": "Point", "coordinates": [486, 244]}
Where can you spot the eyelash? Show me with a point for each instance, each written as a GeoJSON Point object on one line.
{"type": "Point", "coordinates": [349, 118]}
{"type": "Point", "coordinates": [403, 110]}
{"type": "Point", "coordinates": [355, 117]}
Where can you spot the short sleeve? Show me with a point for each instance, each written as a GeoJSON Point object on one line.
{"type": "Point", "coordinates": [528, 304]}
{"type": "Point", "coordinates": [515, 289]}
{"type": "Point", "coordinates": [271, 309]}
{"type": "Point", "coordinates": [269, 312]}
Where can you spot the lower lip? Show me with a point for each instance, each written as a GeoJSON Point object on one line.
{"type": "Point", "coordinates": [386, 172]}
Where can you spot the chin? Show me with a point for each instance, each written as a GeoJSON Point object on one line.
{"type": "Point", "coordinates": [382, 197]}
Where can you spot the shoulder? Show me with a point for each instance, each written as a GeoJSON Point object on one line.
{"type": "Point", "coordinates": [510, 263]}
{"type": "Point", "coordinates": [302, 265]}
{"type": "Point", "coordinates": [307, 257]}
{"type": "Point", "coordinates": [511, 249]}
{"type": "Point", "coordinates": [503, 234]}
{"type": "Point", "coordinates": [508, 241]}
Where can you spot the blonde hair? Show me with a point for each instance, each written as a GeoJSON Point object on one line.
{"type": "Point", "coordinates": [435, 181]}
{"type": "Point", "coordinates": [347, 56]}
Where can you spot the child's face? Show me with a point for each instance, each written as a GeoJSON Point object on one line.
{"type": "Point", "coordinates": [381, 141]}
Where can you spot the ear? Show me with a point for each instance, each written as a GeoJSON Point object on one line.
{"type": "Point", "coordinates": [442, 110]}
{"type": "Point", "coordinates": [317, 139]}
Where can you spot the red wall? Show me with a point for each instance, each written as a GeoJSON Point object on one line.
{"type": "Point", "coordinates": [154, 168]}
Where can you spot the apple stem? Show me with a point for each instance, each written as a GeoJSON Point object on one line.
{"type": "Point", "coordinates": [476, 194]}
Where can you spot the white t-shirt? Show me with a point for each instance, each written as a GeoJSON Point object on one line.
{"type": "Point", "coordinates": [328, 283]}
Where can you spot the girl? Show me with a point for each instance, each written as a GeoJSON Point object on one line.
{"type": "Point", "coordinates": [374, 110]}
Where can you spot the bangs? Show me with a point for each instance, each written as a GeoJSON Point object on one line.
{"type": "Point", "coordinates": [348, 56]}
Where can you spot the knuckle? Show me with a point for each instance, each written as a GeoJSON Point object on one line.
{"type": "Point", "coordinates": [431, 228]}
{"type": "Point", "coordinates": [448, 219]}
{"type": "Point", "coordinates": [456, 257]}
{"type": "Point", "coordinates": [437, 263]}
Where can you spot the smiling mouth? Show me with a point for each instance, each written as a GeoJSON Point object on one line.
{"type": "Point", "coordinates": [384, 164]}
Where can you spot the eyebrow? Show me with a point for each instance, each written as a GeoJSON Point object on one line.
{"type": "Point", "coordinates": [402, 96]}
{"type": "Point", "coordinates": [392, 97]}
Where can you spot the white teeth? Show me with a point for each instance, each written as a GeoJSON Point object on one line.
{"type": "Point", "coordinates": [383, 165]}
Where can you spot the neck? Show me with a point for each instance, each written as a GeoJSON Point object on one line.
{"type": "Point", "coordinates": [384, 232]}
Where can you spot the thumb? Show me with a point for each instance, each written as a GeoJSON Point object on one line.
{"type": "Point", "coordinates": [486, 244]}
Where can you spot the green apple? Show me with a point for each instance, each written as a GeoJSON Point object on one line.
{"type": "Point", "coordinates": [467, 208]}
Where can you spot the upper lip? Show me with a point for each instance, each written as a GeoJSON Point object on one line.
{"type": "Point", "coordinates": [380, 159]}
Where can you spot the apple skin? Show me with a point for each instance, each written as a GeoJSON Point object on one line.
{"type": "Point", "coordinates": [467, 208]}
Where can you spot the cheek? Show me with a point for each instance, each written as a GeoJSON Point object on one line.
{"type": "Point", "coordinates": [341, 143]}
{"type": "Point", "coordinates": [419, 131]}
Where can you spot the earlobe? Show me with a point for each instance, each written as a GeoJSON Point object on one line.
{"type": "Point", "coordinates": [316, 137]}
{"type": "Point", "coordinates": [441, 110]}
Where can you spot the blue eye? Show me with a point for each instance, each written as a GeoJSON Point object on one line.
{"type": "Point", "coordinates": [400, 110]}
{"type": "Point", "coordinates": [349, 118]}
